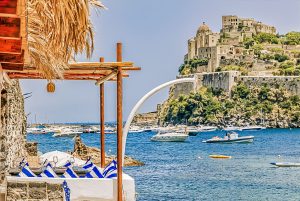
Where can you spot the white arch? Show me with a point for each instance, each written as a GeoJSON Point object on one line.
{"type": "Point", "coordinates": [141, 101]}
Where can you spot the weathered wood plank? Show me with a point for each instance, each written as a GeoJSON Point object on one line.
{"type": "Point", "coordinates": [8, 6]}
{"type": "Point", "coordinates": [9, 27]}
{"type": "Point", "coordinates": [12, 58]}
{"type": "Point", "coordinates": [10, 45]}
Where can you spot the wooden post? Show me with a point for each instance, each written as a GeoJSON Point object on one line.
{"type": "Point", "coordinates": [119, 123]}
{"type": "Point", "coordinates": [102, 132]}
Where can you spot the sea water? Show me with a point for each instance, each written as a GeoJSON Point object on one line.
{"type": "Point", "coordinates": [184, 171]}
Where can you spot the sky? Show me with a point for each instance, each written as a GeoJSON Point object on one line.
{"type": "Point", "coordinates": [154, 36]}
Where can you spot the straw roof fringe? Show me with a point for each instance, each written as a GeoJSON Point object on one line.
{"type": "Point", "coordinates": [58, 29]}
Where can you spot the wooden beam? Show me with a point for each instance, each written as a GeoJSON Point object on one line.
{"type": "Point", "coordinates": [66, 77]}
{"type": "Point", "coordinates": [9, 26]}
{"type": "Point", "coordinates": [109, 65]}
{"type": "Point", "coordinates": [12, 58]}
{"type": "Point", "coordinates": [119, 123]}
{"type": "Point", "coordinates": [8, 6]}
{"type": "Point", "coordinates": [102, 121]}
{"type": "Point", "coordinates": [12, 66]}
{"type": "Point", "coordinates": [10, 45]}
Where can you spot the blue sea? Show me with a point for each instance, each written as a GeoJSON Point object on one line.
{"type": "Point", "coordinates": [184, 171]}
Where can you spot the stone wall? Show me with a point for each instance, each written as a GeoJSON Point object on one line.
{"type": "Point", "coordinates": [218, 80]}
{"type": "Point", "coordinates": [13, 127]}
{"type": "Point", "coordinates": [291, 83]}
{"type": "Point", "coordinates": [182, 88]}
{"type": "Point", "coordinates": [149, 118]}
{"type": "Point", "coordinates": [227, 79]}
{"type": "Point", "coordinates": [34, 191]}
{"type": "Point", "coordinates": [31, 148]}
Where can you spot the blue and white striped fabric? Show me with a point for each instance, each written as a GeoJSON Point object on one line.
{"type": "Point", "coordinates": [69, 173]}
{"type": "Point", "coordinates": [110, 171]}
{"type": "Point", "coordinates": [25, 171]}
{"type": "Point", "coordinates": [48, 172]}
{"type": "Point", "coordinates": [94, 171]}
{"type": "Point", "coordinates": [88, 164]}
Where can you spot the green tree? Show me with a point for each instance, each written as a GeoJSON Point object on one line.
{"type": "Point", "coordinates": [266, 38]}
{"type": "Point", "coordinates": [292, 38]}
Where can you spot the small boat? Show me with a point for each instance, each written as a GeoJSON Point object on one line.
{"type": "Point", "coordinates": [109, 130]}
{"type": "Point", "coordinates": [252, 128]}
{"type": "Point", "coordinates": [220, 156]}
{"type": "Point", "coordinates": [135, 129]}
{"type": "Point", "coordinates": [66, 132]}
{"type": "Point", "coordinates": [177, 136]}
{"type": "Point", "coordinates": [286, 164]}
{"type": "Point", "coordinates": [230, 137]}
{"type": "Point", "coordinates": [207, 128]}
{"type": "Point", "coordinates": [232, 128]}
{"type": "Point", "coordinates": [193, 131]}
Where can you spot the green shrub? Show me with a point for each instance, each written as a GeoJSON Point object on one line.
{"type": "Point", "coordinates": [281, 57]}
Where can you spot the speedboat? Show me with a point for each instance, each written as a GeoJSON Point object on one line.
{"type": "Point", "coordinates": [230, 137]}
{"type": "Point", "coordinates": [252, 128]}
{"type": "Point", "coordinates": [177, 136]}
{"type": "Point", "coordinates": [286, 164]}
{"type": "Point", "coordinates": [67, 132]}
{"type": "Point", "coordinates": [232, 128]}
{"type": "Point", "coordinates": [135, 129]}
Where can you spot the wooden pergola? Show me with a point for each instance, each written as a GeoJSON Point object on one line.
{"type": "Point", "coordinates": [14, 64]}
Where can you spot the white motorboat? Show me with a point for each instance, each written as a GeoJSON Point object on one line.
{"type": "Point", "coordinates": [193, 130]}
{"type": "Point", "coordinates": [135, 129]}
{"type": "Point", "coordinates": [230, 137]}
{"type": "Point", "coordinates": [232, 128]}
{"type": "Point", "coordinates": [252, 128]}
{"type": "Point", "coordinates": [67, 132]}
{"type": "Point", "coordinates": [178, 136]}
{"type": "Point", "coordinates": [286, 164]}
{"type": "Point", "coordinates": [109, 130]}
{"type": "Point", "coordinates": [39, 130]}
{"type": "Point", "coordinates": [208, 128]}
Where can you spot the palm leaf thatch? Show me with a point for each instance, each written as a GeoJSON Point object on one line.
{"type": "Point", "coordinates": [58, 29]}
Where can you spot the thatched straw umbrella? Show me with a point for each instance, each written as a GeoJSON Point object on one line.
{"type": "Point", "coordinates": [56, 31]}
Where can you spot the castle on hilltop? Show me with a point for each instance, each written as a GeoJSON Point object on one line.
{"type": "Point", "coordinates": [217, 46]}
{"type": "Point", "coordinates": [245, 51]}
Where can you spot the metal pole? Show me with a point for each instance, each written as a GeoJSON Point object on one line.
{"type": "Point", "coordinates": [119, 123]}
{"type": "Point", "coordinates": [102, 132]}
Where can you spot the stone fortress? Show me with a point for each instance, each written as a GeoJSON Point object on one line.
{"type": "Point", "coordinates": [227, 48]}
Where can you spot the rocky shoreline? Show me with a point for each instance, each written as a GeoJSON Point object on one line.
{"type": "Point", "coordinates": [83, 151]}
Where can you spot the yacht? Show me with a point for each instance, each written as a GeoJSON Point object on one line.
{"type": "Point", "coordinates": [230, 137]}
{"type": "Point", "coordinates": [252, 128]}
{"type": "Point", "coordinates": [67, 132]}
{"type": "Point", "coordinates": [175, 136]}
